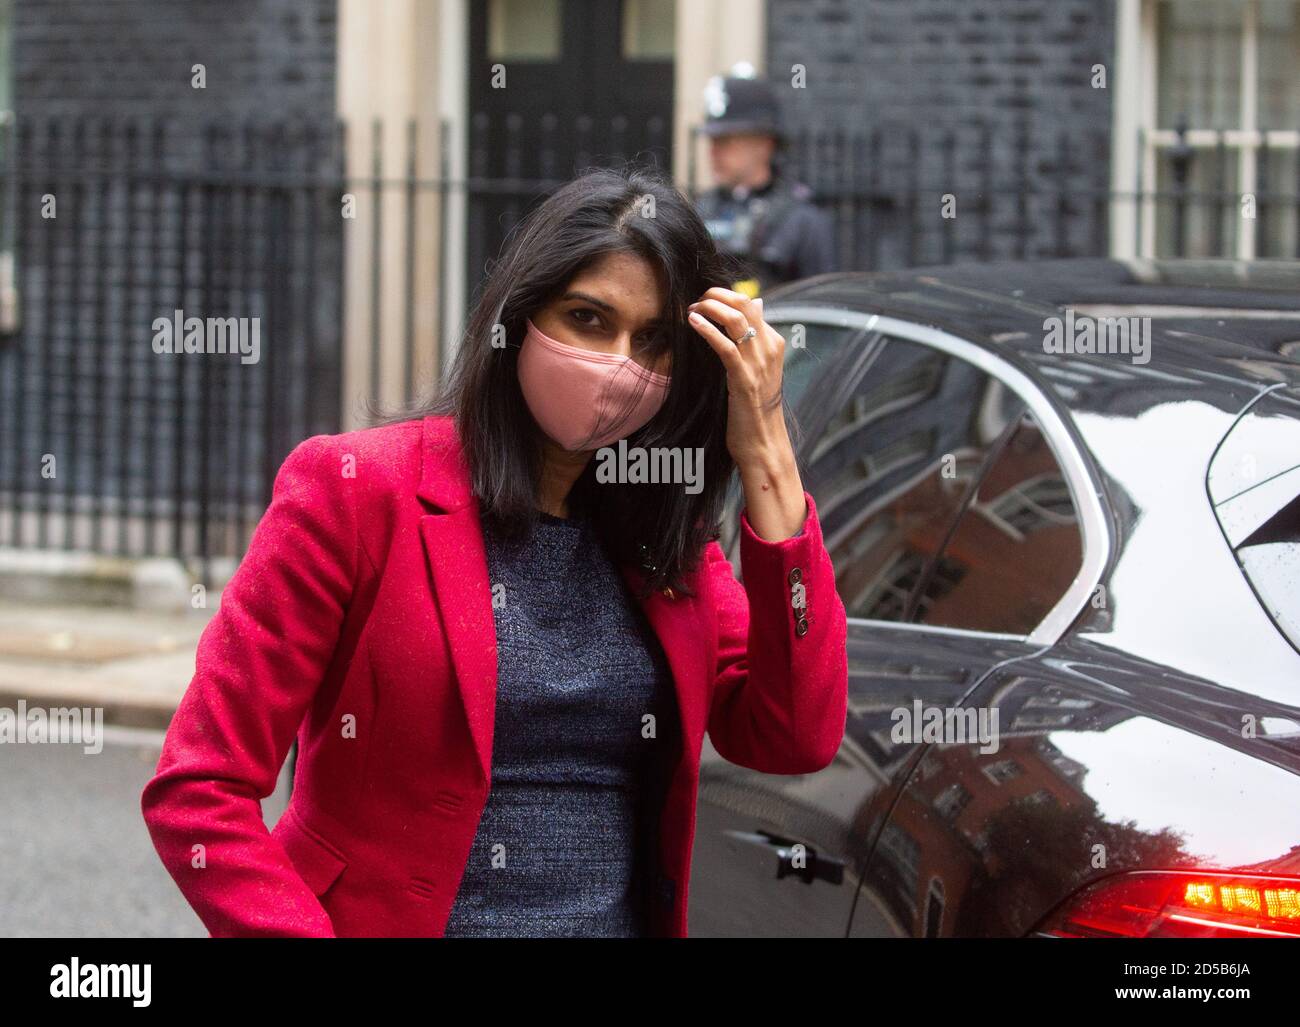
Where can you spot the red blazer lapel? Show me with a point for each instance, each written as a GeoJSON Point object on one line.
{"type": "Point", "coordinates": [453, 546]}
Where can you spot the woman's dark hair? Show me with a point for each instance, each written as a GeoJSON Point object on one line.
{"type": "Point", "coordinates": [660, 527]}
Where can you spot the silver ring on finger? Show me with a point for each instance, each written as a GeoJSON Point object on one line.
{"type": "Point", "coordinates": [750, 332]}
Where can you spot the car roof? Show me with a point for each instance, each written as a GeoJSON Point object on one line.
{"type": "Point", "coordinates": [1224, 329]}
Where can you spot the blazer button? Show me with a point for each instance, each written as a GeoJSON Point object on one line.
{"type": "Point", "coordinates": [796, 576]}
{"type": "Point", "coordinates": [801, 627]}
{"type": "Point", "coordinates": [669, 593]}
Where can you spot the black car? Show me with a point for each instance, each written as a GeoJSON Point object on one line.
{"type": "Point", "coordinates": [1072, 575]}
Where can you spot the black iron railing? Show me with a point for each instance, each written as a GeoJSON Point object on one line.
{"type": "Point", "coordinates": [109, 446]}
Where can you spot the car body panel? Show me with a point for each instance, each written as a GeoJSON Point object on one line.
{"type": "Point", "coordinates": [1140, 769]}
{"type": "Point", "coordinates": [1162, 722]}
{"type": "Point", "coordinates": [1263, 442]}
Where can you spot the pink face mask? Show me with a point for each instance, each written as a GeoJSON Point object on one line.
{"type": "Point", "coordinates": [585, 400]}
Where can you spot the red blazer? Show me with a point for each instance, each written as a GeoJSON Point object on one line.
{"type": "Point", "coordinates": [361, 619]}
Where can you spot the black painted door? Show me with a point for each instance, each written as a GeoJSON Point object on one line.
{"type": "Point", "coordinates": [557, 86]}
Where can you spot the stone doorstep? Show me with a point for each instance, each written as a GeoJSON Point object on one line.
{"type": "Point", "coordinates": [90, 579]}
{"type": "Point", "coordinates": [119, 711]}
{"type": "Point", "coordinates": [78, 646]}
{"type": "Point", "coordinates": [84, 630]}
{"type": "Point", "coordinates": [137, 686]}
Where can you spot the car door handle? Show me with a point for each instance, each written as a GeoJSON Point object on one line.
{"type": "Point", "coordinates": [816, 866]}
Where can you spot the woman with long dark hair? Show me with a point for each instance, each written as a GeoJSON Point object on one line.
{"type": "Point", "coordinates": [500, 626]}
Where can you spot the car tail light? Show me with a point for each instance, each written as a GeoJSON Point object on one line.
{"type": "Point", "coordinates": [1181, 904]}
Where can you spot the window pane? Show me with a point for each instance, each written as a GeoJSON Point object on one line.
{"type": "Point", "coordinates": [1276, 234]}
{"type": "Point", "coordinates": [524, 30]}
{"type": "Point", "coordinates": [898, 875]}
{"type": "Point", "coordinates": [1274, 570]}
{"type": "Point", "coordinates": [934, 910]}
{"type": "Point", "coordinates": [1211, 208]}
{"type": "Point", "coordinates": [820, 344]}
{"type": "Point", "coordinates": [648, 29]}
{"type": "Point", "coordinates": [952, 800]}
{"type": "Point", "coordinates": [1270, 557]}
{"type": "Point", "coordinates": [804, 366]}
{"type": "Point", "coordinates": [891, 470]}
{"type": "Point", "coordinates": [1199, 61]}
{"type": "Point", "coordinates": [1279, 64]}
{"type": "Point", "coordinates": [1017, 547]}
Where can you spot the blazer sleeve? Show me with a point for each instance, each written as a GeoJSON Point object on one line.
{"type": "Point", "coordinates": [780, 697]}
{"type": "Point", "coordinates": [258, 665]}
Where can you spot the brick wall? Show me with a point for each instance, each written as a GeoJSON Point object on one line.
{"type": "Point", "coordinates": [265, 57]}
{"type": "Point", "coordinates": [153, 221]}
{"type": "Point", "coordinates": [1006, 83]}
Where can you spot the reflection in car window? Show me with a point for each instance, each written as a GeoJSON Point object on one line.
{"type": "Point", "coordinates": [1017, 547]}
{"type": "Point", "coordinates": [1274, 571]}
{"type": "Point", "coordinates": [934, 909]}
{"type": "Point", "coordinates": [899, 873]}
{"type": "Point", "coordinates": [821, 344]}
{"type": "Point", "coordinates": [892, 469]}
{"type": "Point", "coordinates": [1270, 558]}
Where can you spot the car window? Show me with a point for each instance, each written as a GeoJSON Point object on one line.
{"type": "Point", "coordinates": [806, 365]}
{"type": "Point", "coordinates": [1269, 555]}
{"type": "Point", "coordinates": [1016, 548]}
{"type": "Point", "coordinates": [809, 348]}
{"type": "Point", "coordinates": [1274, 572]}
{"type": "Point", "coordinates": [892, 469]}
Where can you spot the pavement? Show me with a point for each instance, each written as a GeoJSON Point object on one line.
{"type": "Point", "coordinates": [79, 861]}
{"type": "Point", "coordinates": [134, 663]}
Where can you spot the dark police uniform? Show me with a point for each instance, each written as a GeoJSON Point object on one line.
{"type": "Point", "coordinates": [776, 233]}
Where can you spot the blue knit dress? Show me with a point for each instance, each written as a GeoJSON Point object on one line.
{"type": "Point", "coordinates": [585, 724]}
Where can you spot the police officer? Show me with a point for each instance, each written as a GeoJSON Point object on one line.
{"type": "Point", "coordinates": [754, 212]}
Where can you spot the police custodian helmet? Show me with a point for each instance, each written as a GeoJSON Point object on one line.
{"type": "Point", "coordinates": [741, 103]}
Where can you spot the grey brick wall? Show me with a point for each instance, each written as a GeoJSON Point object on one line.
{"type": "Point", "coordinates": [161, 220]}
{"type": "Point", "coordinates": [263, 57]}
{"type": "Point", "coordinates": [1007, 84]}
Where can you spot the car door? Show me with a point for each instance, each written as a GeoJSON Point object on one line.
{"type": "Point", "coordinates": [904, 431]}
{"type": "Point", "coordinates": [1014, 549]}
{"type": "Point", "coordinates": [1109, 766]}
